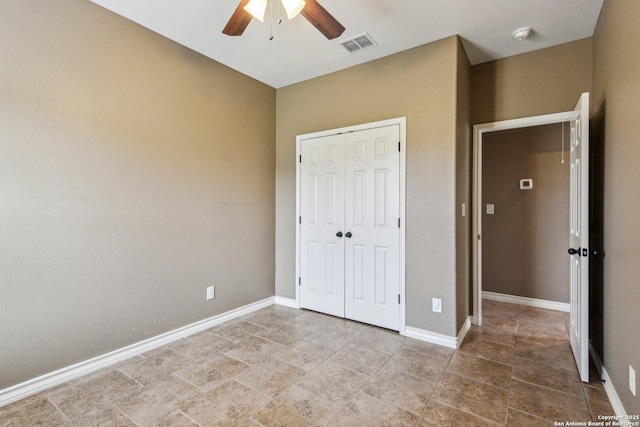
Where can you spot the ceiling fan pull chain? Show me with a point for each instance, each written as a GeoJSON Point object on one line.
{"type": "Point", "coordinates": [271, 20]}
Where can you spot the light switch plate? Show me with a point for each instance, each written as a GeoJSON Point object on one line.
{"type": "Point", "coordinates": [211, 292]}
{"type": "Point", "coordinates": [490, 209]}
{"type": "Point", "coordinates": [436, 305]}
{"type": "Point", "coordinates": [632, 380]}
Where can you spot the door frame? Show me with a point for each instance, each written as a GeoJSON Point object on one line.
{"type": "Point", "coordinates": [402, 123]}
{"type": "Point", "coordinates": [478, 133]}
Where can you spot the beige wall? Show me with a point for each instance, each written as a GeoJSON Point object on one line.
{"type": "Point", "coordinates": [540, 82]}
{"type": "Point", "coordinates": [128, 184]}
{"type": "Point", "coordinates": [420, 84]}
{"type": "Point", "coordinates": [524, 243]}
{"type": "Point", "coordinates": [463, 188]}
{"type": "Point", "coordinates": [616, 84]}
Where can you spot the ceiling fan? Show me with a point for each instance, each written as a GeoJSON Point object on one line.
{"type": "Point", "coordinates": [310, 9]}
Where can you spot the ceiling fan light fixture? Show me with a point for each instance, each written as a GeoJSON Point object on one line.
{"type": "Point", "coordinates": [293, 7]}
{"type": "Point", "coordinates": [257, 8]}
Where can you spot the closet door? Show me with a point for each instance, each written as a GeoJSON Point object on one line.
{"type": "Point", "coordinates": [372, 233]}
{"type": "Point", "coordinates": [322, 225]}
{"type": "Point", "coordinates": [350, 235]}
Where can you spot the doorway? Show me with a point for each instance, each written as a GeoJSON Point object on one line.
{"type": "Point", "coordinates": [479, 205]}
{"type": "Point", "coordinates": [350, 231]}
{"type": "Point", "coordinates": [525, 183]}
{"type": "Point", "coordinates": [579, 220]}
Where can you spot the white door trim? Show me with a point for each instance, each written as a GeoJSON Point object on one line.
{"type": "Point", "coordinates": [478, 134]}
{"type": "Point", "coordinates": [402, 123]}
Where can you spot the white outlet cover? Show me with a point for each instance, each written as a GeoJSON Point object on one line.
{"type": "Point", "coordinates": [490, 209]}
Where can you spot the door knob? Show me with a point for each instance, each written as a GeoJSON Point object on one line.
{"type": "Point", "coordinates": [339, 234]}
{"type": "Point", "coordinates": [348, 235]}
{"type": "Point", "coordinates": [574, 251]}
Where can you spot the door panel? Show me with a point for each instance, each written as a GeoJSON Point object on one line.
{"type": "Point", "coordinates": [381, 276]}
{"type": "Point", "coordinates": [381, 193]}
{"type": "Point", "coordinates": [372, 204]}
{"type": "Point", "coordinates": [579, 236]}
{"type": "Point", "coordinates": [359, 276]}
{"type": "Point", "coordinates": [322, 216]}
{"type": "Point", "coordinates": [358, 201]}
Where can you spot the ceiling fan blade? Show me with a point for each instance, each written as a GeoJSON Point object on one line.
{"type": "Point", "coordinates": [238, 21]}
{"type": "Point", "coordinates": [322, 20]}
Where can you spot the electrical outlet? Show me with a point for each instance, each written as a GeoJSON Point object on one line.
{"type": "Point", "coordinates": [436, 305]}
{"type": "Point", "coordinates": [632, 380]}
{"type": "Point", "coordinates": [211, 292]}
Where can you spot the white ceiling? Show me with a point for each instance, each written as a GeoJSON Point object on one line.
{"type": "Point", "coordinates": [300, 52]}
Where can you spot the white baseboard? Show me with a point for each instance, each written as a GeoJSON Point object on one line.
{"type": "Point", "coordinates": [532, 302]}
{"type": "Point", "coordinates": [52, 379]}
{"type": "Point", "coordinates": [463, 332]}
{"type": "Point", "coordinates": [287, 302]}
{"type": "Point", "coordinates": [432, 337]}
{"type": "Point", "coordinates": [612, 394]}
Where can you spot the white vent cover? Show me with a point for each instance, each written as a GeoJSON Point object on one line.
{"type": "Point", "coordinates": [358, 43]}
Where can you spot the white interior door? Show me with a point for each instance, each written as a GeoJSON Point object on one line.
{"type": "Point", "coordinates": [579, 236]}
{"type": "Point", "coordinates": [349, 225]}
{"type": "Point", "coordinates": [322, 225]}
{"type": "Point", "coordinates": [372, 232]}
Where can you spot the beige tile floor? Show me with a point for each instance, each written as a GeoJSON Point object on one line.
{"type": "Point", "coordinates": [286, 367]}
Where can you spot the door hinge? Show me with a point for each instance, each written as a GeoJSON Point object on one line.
{"type": "Point", "coordinates": [299, 281]}
{"type": "Point", "coordinates": [299, 220]}
{"type": "Point", "coordinates": [398, 145]}
{"type": "Point", "coordinates": [398, 298]}
{"type": "Point", "coordinates": [398, 222]}
{"type": "Point", "coordinates": [300, 158]}
{"type": "Point", "coordinates": [478, 237]}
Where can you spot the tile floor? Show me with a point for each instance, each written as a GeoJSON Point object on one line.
{"type": "Point", "coordinates": [286, 367]}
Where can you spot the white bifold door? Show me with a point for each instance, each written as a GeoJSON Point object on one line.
{"type": "Point", "coordinates": [350, 225]}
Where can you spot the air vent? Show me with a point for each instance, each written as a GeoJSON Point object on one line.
{"type": "Point", "coordinates": [358, 43]}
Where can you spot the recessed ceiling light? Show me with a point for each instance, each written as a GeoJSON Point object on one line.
{"type": "Point", "coordinates": [522, 33]}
